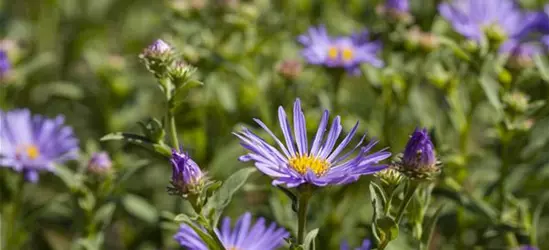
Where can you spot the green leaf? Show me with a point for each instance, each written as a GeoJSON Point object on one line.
{"type": "Point", "coordinates": [222, 197]}
{"type": "Point", "coordinates": [140, 208]}
{"type": "Point", "coordinates": [491, 89]}
{"type": "Point", "coordinates": [153, 129]}
{"type": "Point", "coordinates": [458, 51]}
{"type": "Point", "coordinates": [543, 66]}
{"type": "Point", "coordinates": [429, 227]}
{"type": "Point", "coordinates": [104, 213]}
{"type": "Point", "coordinates": [42, 93]}
{"type": "Point", "coordinates": [379, 200]}
{"type": "Point", "coordinates": [309, 243]}
{"type": "Point", "coordinates": [160, 148]}
{"type": "Point", "coordinates": [181, 94]}
{"type": "Point", "coordinates": [385, 229]}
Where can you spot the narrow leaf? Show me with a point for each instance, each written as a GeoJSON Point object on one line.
{"type": "Point", "coordinates": [309, 243]}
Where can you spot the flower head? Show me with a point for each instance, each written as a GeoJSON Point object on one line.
{"type": "Point", "coordinates": [244, 236]}
{"type": "Point", "coordinates": [289, 69]}
{"type": "Point", "coordinates": [5, 65]}
{"type": "Point", "coordinates": [31, 144]}
{"type": "Point", "coordinates": [499, 19]}
{"type": "Point", "coordinates": [100, 163]}
{"type": "Point", "coordinates": [419, 159]}
{"type": "Point", "coordinates": [186, 175]}
{"type": "Point", "coordinates": [366, 245]}
{"type": "Point", "coordinates": [340, 52]}
{"type": "Point", "coordinates": [320, 165]}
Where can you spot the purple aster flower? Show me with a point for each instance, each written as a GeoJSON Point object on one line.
{"type": "Point", "coordinates": [244, 235]}
{"type": "Point", "coordinates": [33, 143]}
{"type": "Point", "coordinates": [158, 47]}
{"type": "Point", "coordinates": [419, 159]}
{"type": "Point", "coordinates": [366, 245]}
{"type": "Point", "coordinates": [186, 175]}
{"type": "Point", "coordinates": [341, 52]}
{"type": "Point", "coordinates": [100, 163]}
{"type": "Point", "coordinates": [320, 165]}
{"type": "Point", "coordinates": [5, 65]}
{"type": "Point", "coordinates": [472, 18]}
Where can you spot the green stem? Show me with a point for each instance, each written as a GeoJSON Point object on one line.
{"type": "Point", "coordinates": [172, 129]}
{"type": "Point", "coordinates": [407, 198]}
{"type": "Point", "coordinates": [11, 226]}
{"type": "Point", "coordinates": [302, 216]}
{"type": "Point", "coordinates": [511, 240]}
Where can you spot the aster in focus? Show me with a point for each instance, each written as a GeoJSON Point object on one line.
{"type": "Point", "coordinates": [366, 245]}
{"type": "Point", "coordinates": [244, 235]}
{"type": "Point", "coordinates": [498, 19]}
{"type": "Point", "coordinates": [322, 164]}
{"type": "Point", "coordinates": [341, 52]}
{"type": "Point", "coordinates": [31, 144]}
{"type": "Point", "coordinates": [5, 65]}
{"type": "Point", "coordinates": [186, 175]}
{"type": "Point", "coordinates": [419, 160]}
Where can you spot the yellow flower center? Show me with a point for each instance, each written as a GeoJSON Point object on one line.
{"type": "Point", "coordinates": [347, 54]}
{"type": "Point", "coordinates": [333, 52]}
{"type": "Point", "coordinates": [303, 163]}
{"type": "Point", "coordinates": [233, 248]}
{"type": "Point", "coordinates": [31, 151]}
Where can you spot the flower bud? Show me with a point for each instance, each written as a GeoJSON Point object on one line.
{"type": "Point", "coordinates": [289, 69]}
{"type": "Point", "coordinates": [100, 163]}
{"type": "Point", "coordinates": [180, 72]}
{"type": "Point", "coordinates": [398, 10]}
{"type": "Point", "coordinates": [157, 57]}
{"type": "Point", "coordinates": [389, 177]}
{"type": "Point", "coordinates": [419, 160]}
{"type": "Point", "coordinates": [187, 178]}
{"type": "Point", "coordinates": [516, 102]}
{"type": "Point", "coordinates": [495, 34]}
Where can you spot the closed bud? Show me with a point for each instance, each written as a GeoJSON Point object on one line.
{"type": "Point", "coordinates": [100, 163]}
{"type": "Point", "coordinates": [157, 57]}
{"type": "Point", "coordinates": [187, 178]}
{"type": "Point", "coordinates": [180, 72]}
{"type": "Point", "coordinates": [389, 177]}
{"type": "Point", "coordinates": [419, 162]}
{"type": "Point", "coordinates": [516, 102]}
{"type": "Point", "coordinates": [495, 34]}
{"type": "Point", "coordinates": [289, 69]}
{"type": "Point", "coordinates": [398, 10]}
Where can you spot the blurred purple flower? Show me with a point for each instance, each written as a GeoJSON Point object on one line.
{"type": "Point", "coordinates": [100, 162]}
{"type": "Point", "coordinates": [399, 6]}
{"type": "Point", "coordinates": [33, 143]}
{"type": "Point", "coordinates": [320, 165]}
{"type": "Point", "coordinates": [340, 52]}
{"type": "Point", "coordinates": [186, 175]}
{"type": "Point", "coordinates": [527, 247]}
{"type": "Point", "coordinates": [5, 65]}
{"type": "Point", "coordinates": [473, 18]}
{"type": "Point", "coordinates": [520, 53]}
{"type": "Point", "coordinates": [244, 236]}
{"type": "Point", "coordinates": [366, 245]}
